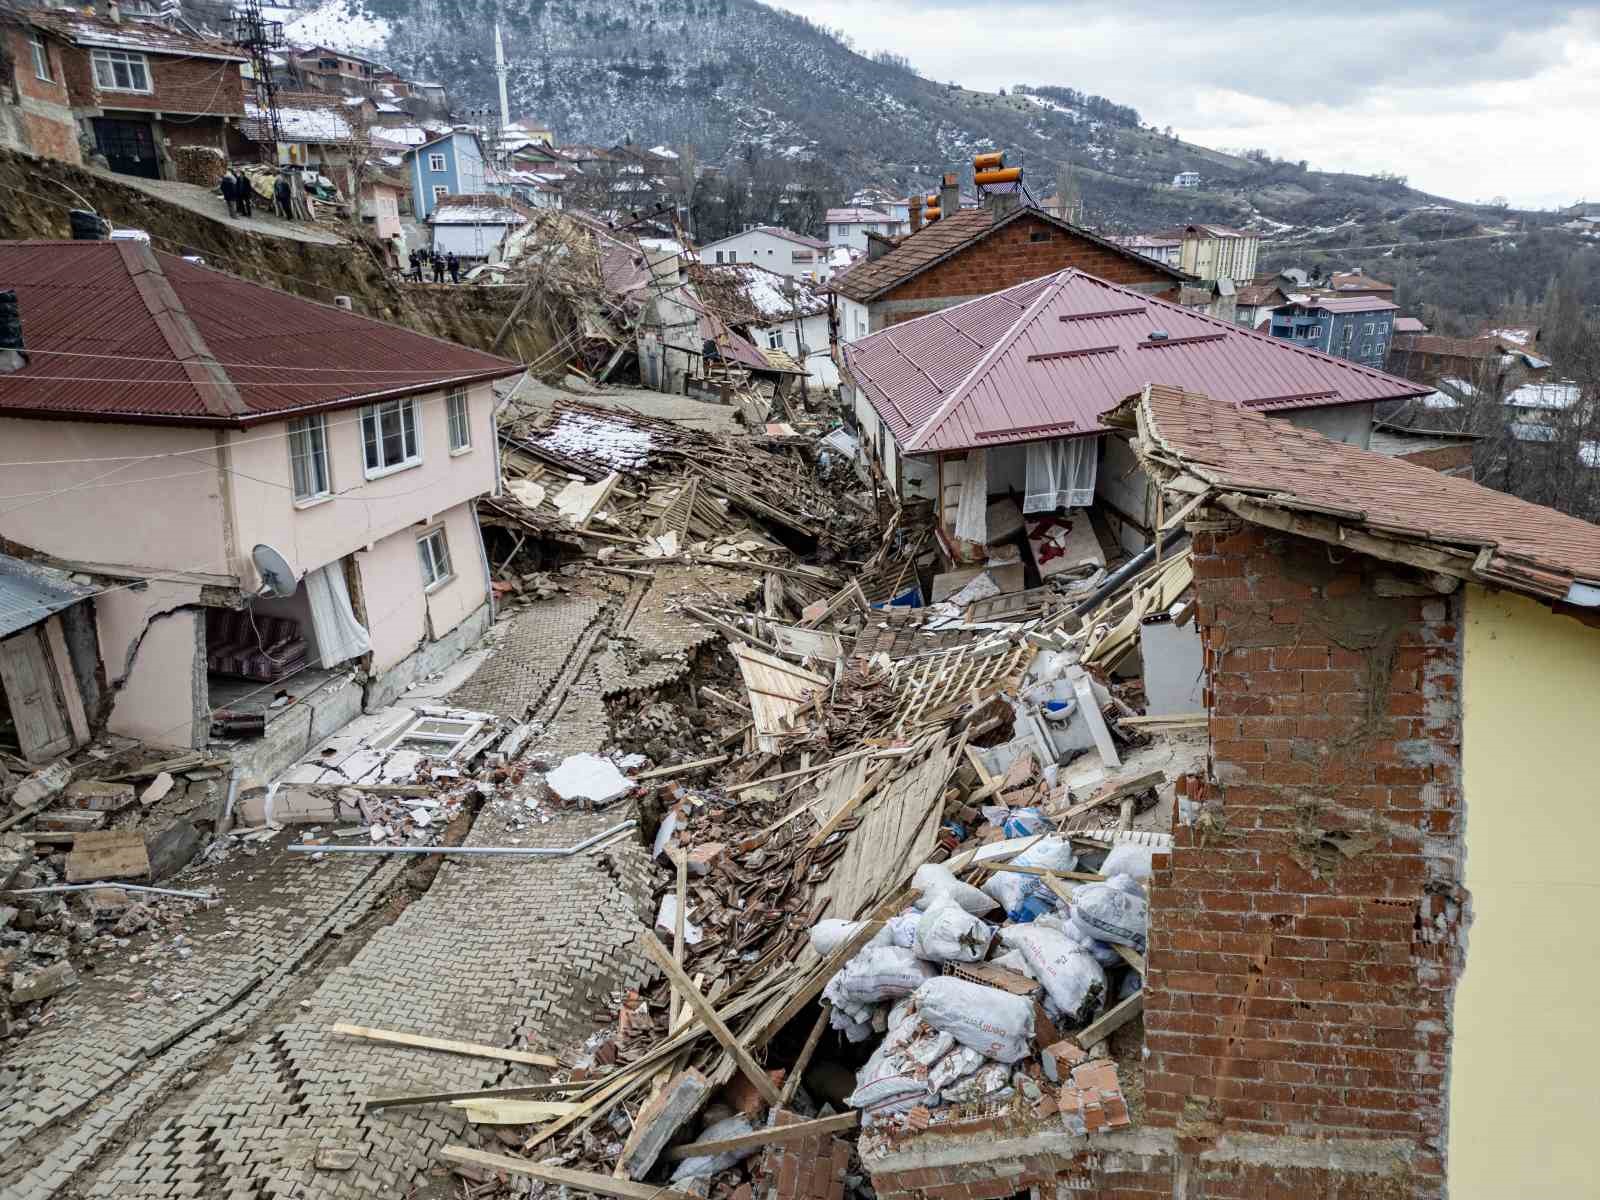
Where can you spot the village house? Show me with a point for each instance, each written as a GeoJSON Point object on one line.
{"type": "Point", "coordinates": [475, 227]}
{"type": "Point", "coordinates": [324, 69]}
{"type": "Point", "coordinates": [1358, 328]}
{"type": "Point", "coordinates": [1163, 249]}
{"type": "Point", "coordinates": [972, 252]}
{"type": "Point", "coordinates": [1351, 904]}
{"type": "Point", "coordinates": [1254, 302]}
{"type": "Point", "coordinates": [135, 91]}
{"type": "Point", "coordinates": [450, 164]}
{"type": "Point", "coordinates": [776, 312]}
{"type": "Point", "coordinates": [1004, 395]}
{"type": "Point", "coordinates": [1494, 362]}
{"type": "Point", "coordinates": [1211, 252]}
{"type": "Point", "coordinates": [850, 226]}
{"type": "Point", "coordinates": [351, 450]}
{"type": "Point", "coordinates": [1186, 179]}
{"type": "Point", "coordinates": [1355, 283]}
{"type": "Point", "coordinates": [776, 249]}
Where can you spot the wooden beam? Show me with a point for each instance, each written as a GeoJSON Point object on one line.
{"type": "Point", "coordinates": [1131, 787]}
{"type": "Point", "coordinates": [582, 1181]}
{"type": "Point", "coordinates": [417, 1099]}
{"type": "Point", "coordinates": [663, 772]}
{"type": "Point", "coordinates": [1044, 872]}
{"type": "Point", "coordinates": [449, 1046]}
{"type": "Point", "coordinates": [733, 631]}
{"type": "Point", "coordinates": [681, 902]}
{"type": "Point", "coordinates": [708, 1017]}
{"type": "Point", "coordinates": [1188, 718]}
{"type": "Point", "coordinates": [1130, 956]}
{"type": "Point", "coordinates": [1113, 1020]}
{"type": "Point", "coordinates": [800, 1064]}
{"type": "Point", "coordinates": [1324, 529]}
{"type": "Point", "coordinates": [762, 1137]}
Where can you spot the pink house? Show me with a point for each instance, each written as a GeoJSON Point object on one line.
{"type": "Point", "coordinates": [164, 420]}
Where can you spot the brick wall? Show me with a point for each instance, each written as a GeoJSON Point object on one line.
{"type": "Point", "coordinates": [1010, 257]}
{"type": "Point", "coordinates": [43, 119]}
{"type": "Point", "coordinates": [180, 85]}
{"type": "Point", "coordinates": [1289, 990]}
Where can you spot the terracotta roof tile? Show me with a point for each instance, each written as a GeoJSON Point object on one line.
{"type": "Point", "coordinates": [1531, 548]}
{"type": "Point", "coordinates": [97, 351]}
{"type": "Point", "coordinates": [1047, 358]}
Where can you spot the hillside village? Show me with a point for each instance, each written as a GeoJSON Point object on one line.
{"type": "Point", "coordinates": [537, 668]}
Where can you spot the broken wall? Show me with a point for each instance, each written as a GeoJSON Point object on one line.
{"type": "Point", "coordinates": [1531, 712]}
{"type": "Point", "coordinates": [1290, 991]}
{"type": "Point", "coordinates": [152, 641]}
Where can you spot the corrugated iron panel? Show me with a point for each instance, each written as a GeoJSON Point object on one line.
{"type": "Point", "coordinates": [30, 592]}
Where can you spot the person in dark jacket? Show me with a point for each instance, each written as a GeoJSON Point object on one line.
{"type": "Point", "coordinates": [415, 273]}
{"type": "Point", "coordinates": [280, 193]}
{"type": "Point", "coordinates": [454, 264]}
{"type": "Point", "coordinates": [244, 192]}
{"type": "Point", "coordinates": [229, 187]}
{"type": "Point", "coordinates": [438, 267]}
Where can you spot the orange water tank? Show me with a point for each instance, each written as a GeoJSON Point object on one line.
{"type": "Point", "coordinates": [989, 162]}
{"type": "Point", "coordinates": [1001, 175]}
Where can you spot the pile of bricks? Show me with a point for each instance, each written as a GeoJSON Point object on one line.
{"type": "Point", "coordinates": [1093, 1100]}
{"type": "Point", "coordinates": [806, 1169]}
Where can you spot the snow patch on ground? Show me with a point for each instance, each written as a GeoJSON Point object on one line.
{"type": "Point", "coordinates": [339, 25]}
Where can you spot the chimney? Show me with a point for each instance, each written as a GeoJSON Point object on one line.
{"type": "Point", "coordinates": [949, 195]}
{"type": "Point", "coordinates": [915, 206]}
{"type": "Point", "coordinates": [109, 10]}
{"type": "Point", "coordinates": [878, 246]}
{"type": "Point", "coordinates": [11, 356]}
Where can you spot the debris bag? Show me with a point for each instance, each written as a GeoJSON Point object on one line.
{"type": "Point", "coordinates": [879, 973]}
{"type": "Point", "coordinates": [902, 929]}
{"type": "Point", "coordinates": [827, 936]}
{"type": "Point", "coordinates": [888, 1082]}
{"type": "Point", "coordinates": [949, 933]}
{"type": "Point", "coordinates": [1025, 822]}
{"type": "Point", "coordinates": [953, 1068]}
{"type": "Point", "coordinates": [1025, 897]}
{"type": "Point", "coordinates": [710, 1164]}
{"type": "Point", "coordinates": [1104, 953]}
{"type": "Point", "coordinates": [1112, 913]}
{"type": "Point", "coordinates": [1132, 984]}
{"type": "Point", "coordinates": [995, 1023]}
{"type": "Point", "coordinates": [929, 1046]}
{"type": "Point", "coordinates": [989, 1083]}
{"type": "Point", "coordinates": [902, 1009]}
{"type": "Point", "coordinates": [1127, 859]}
{"type": "Point", "coordinates": [933, 881]}
{"type": "Point", "coordinates": [1013, 960]}
{"type": "Point", "coordinates": [1069, 973]}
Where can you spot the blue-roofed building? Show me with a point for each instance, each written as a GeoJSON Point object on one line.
{"type": "Point", "coordinates": [1358, 328]}
{"type": "Point", "coordinates": [452, 164]}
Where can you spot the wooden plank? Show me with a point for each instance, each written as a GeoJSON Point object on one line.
{"type": "Point", "coordinates": [417, 1099]}
{"type": "Point", "coordinates": [66, 680]}
{"type": "Point", "coordinates": [107, 855]}
{"type": "Point", "coordinates": [582, 1181]}
{"type": "Point", "coordinates": [30, 685]}
{"type": "Point", "coordinates": [1130, 956]}
{"type": "Point", "coordinates": [448, 1045]}
{"type": "Point", "coordinates": [732, 631]}
{"type": "Point", "coordinates": [1113, 1020]}
{"type": "Point", "coordinates": [678, 917]}
{"type": "Point", "coordinates": [796, 1072]}
{"type": "Point", "coordinates": [762, 1137]}
{"type": "Point", "coordinates": [663, 772]}
{"type": "Point", "coordinates": [1044, 873]}
{"type": "Point", "coordinates": [492, 1110]}
{"type": "Point", "coordinates": [681, 983]}
{"type": "Point", "coordinates": [1189, 718]}
{"type": "Point", "coordinates": [843, 813]}
{"type": "Point", "coordinates": [1131, 787]}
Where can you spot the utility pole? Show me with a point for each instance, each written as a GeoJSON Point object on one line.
{"type": "Point", "coordinates": [259, 38]}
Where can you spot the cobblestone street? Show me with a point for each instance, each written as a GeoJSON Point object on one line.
{"type": "Point", "coordinates": [204, 1097]}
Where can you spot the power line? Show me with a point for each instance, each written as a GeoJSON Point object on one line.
{"type": "Point", "coordinates": [241, 366]}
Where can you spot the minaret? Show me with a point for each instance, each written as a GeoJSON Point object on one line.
{"type": "Point", "coordinates": [500, 69]}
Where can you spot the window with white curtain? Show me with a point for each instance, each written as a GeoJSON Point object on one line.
{"type": "Point", "coordinates": [308, 457]}
{"type": "Point", "coordinates": [1061, 474]}
{"type": "Point", "coordinates": [434, 552]}
{"type": "Point", "coordinates": [459, 419]}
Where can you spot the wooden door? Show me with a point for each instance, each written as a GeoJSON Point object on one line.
{"type": "Point", "coordinates": [30, 686]}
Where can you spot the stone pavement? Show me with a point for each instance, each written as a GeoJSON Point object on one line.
{"type": "Point", "coordinates": [208, 203]}
{"type": "Point", "coordinates": [511, 952]}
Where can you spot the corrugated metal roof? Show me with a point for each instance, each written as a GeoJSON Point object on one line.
{"type": "Point", "coordinates": [1533, 548]}
{"type": "Point", "coordinates": [1048, 357]}
{"type": "Point", "coordinates": [1345, 304]}
{"type": "Point", "coordinates": [98, 352]}
{"type": "Point", "coordinates": [30, 592]}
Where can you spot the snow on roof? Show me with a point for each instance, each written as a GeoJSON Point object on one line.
{"type": "Point", "coordinates": [478, 210]}
{"type": "Point", "coordinates": [663, 152]}
{"type": "Point", "coordinates": [1440, 400]}
{"type": "Point", "coordinates": [1534, 431]}
{"type": "Point", "coordinates": [407, 135]}
{"type": "Point", "coordinates": [620, 447]}
{"type": "Point", "coordinates": [301, 124]}
{"type": "Point", "coordinates": [1545, 395]}
{"type": "Point", "coordinates": [86, 30]}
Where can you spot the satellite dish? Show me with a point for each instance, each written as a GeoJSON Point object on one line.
{"type": "Point", "coordinates": [277, 576]}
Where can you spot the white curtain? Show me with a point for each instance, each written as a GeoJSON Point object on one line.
{"type": "Point", "coordinates": [972, 524]}
{"type": "Point", "coordinates": [339, 635]}
{"type": "Point", "coordinates": [1060, 474]}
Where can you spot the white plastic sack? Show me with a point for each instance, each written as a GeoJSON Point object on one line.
{"type": "Point", "coordinates": [929, 1047]}
{"type": "Point", "coordinates": [1112, 914]}
{"type": "Point", "coordinates": [1014, 888]}
{"type": "Point", "coordinates": [898, 1014]}
{"type": "Point", "coordinates": [827, 936]}
{"type": "Point", "coordinates": [887, 1081]}
{"type": "Point", "coordinates": [901, 930]}
{"type": "Point", "coordinates": [953, 1068]}
{"type": "Point", "coordinates": [1012, 960]}
{"type": "Point", "coordinates": [1104, 953]}
{"type": "Point", "coordinates": [1069, 973]}
{"type": "Point", "coordinates": [949, 933]}
{"type": "Point", "coordinates": [934, 880]}
{"type": "Point", "coordinates": [992, 1082]}
{"type": "Point", "coordinates": [1129, 860]}
{"type": "Point", "coordinates": [710, 1164]}
{"type": "Point", "coordinates": [881, 973]}
{"type": "Point", "coordinates": [996, 1024]}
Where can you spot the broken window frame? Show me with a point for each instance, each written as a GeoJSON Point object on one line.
{"type": "Point", "coordinates": [408, 734]}
{"type": "Point", "coordinates": [433, 552]}
{"type": "Point", "coordinates": [131, 66]}
{"type": "Point", "coordinates": [309, 474]}
{"type": "Point", "coordinates": [41, 58]}
{"type": "Point", "coordinates": [377, 441]}
{"type": "Point", "coordinates": [458, 418]}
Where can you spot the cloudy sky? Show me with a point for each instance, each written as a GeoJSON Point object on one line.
{"type": "Point", "coordinates": [1469, 99]}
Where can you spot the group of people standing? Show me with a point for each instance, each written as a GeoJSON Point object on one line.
{"type": "Point", "coordinates": [240, 195]}
{"type": "Point", "coordinates": [439, 262]}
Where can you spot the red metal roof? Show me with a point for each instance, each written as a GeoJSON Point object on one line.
{"type": "Point", "coordinates": [1046, 358]}
{"type": "Point", "coordinates": [109, 326]}
{"type": "Point", "coordinates": [1531, 548]}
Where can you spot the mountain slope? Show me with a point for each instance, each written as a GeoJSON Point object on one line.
{"type": "Point", "coordinates": [741, 81]}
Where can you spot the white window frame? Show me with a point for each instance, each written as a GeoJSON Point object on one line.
{"type": "Point", "coordinates": [434, 728]}
{"type": "Point", "coordinates": [308, 456]}
{"type": "Point", "coordinates": [110, 60]}
{"type": "Point", "coordinates": [458, 419]}
{"type": "Point", "coordinates": [433, 556]}
{"type": "Point", "coordinates": [436, 164]}
{"type": "Point", "coordinates": [1367, 329]}
{"type": "Point", "coordinates": [41, 58]}
{"type": "Point", "coordinates": [775, 339]}
{"type": "Point", "coordinates": [1366, 349]}
{"type": "Point", "coordinates": [372, 438]}
{"type": "Point", "coordinates": [440, 191]}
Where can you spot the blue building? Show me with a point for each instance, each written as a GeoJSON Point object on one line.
{"type": "Point", "coordinates": [1358, 328]}
{"type": "Point", "coordinates": [450, 165]}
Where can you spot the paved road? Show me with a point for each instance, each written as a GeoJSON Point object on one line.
{"type": "Point", "coordinates": [209, 203]}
